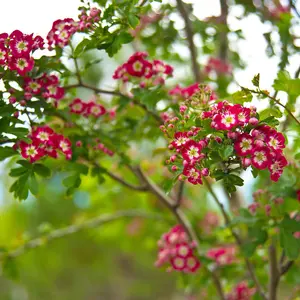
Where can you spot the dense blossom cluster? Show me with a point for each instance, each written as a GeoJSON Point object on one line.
{"type": "Point", "coordinates": [176, 250]}
{"type": "Point", "coordinates": [86, 109]}
{"type": "Point", "coordinates": [46, 86]}
{"type": "Point", "coordinates": [139, 70]}
{"type": "Point", "coordinates": [217, 65]}
{"type": "Point", "coordinates": [16, 51]}
{"type": "Point", "coordinates": [185, 93]}
{"type": "Point", "coordinates": [63, 29]}
{"type": "Point", "coordinates": [241, 292]}
{"type": "Point", "coordinates": [44, 142]}
{"type": "Point", "coordinates": [260, 146]}
{"type": "Point", "coordinates": [222, 255]}
{"type": "Point", "coordinates": [254, 144]}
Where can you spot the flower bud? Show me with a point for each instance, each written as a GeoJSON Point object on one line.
{"type": "Point", "coordinates": [253, 121]}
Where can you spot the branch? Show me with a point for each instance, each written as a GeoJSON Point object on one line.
{"type": "Point", "coordinates": [125, 183]}
{"type": "Point", "coordinates": [260, 92]}
{"type": "Point", "coordinates": [190, 37]}
{"type": "Point", "coordinates": [274, 275]}
{"type": "Point", "coordinates": [179, 194]}
{"type": "Point", "coordinates": [237, 238]}
{"type": "Point", "coordinates": [182, 219]}
{"type": "Point", "coordinates": [92, 223]}
{"type": "Point", "coordinates": [115, 93]}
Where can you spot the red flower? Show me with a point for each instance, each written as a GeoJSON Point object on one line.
{"type": "Point", "coordinates": [31, 151]}
{"type": "Point", "coordinates": [193, 175]}
{"type": "Point", "coordinates": [191, 151]}
{"type": "Point", "coordinates": [260, 157]}
{"type": "Point", "coordinates": [77, 106]}
{"type": "Point", "coordinates": [20, 44]}
{"type": "Point", "coordinates": [180, 140]}
{"type": "Point", "coordinates": [95, 109]}
{"type": "Point", "coordinates": [22, 65]}
{"type": "Point", "coordinates": [244, 145]}
{"type": "Point", "coordinates": [3, 54]}
{"type": "Point", "coordinates": [275, 140]}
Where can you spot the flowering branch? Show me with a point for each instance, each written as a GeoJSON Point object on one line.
{"type": "Point", "coordinates": [266, 94]}
{"type": "Point", "coordinates": [237, 238]}
{"type": "Point", "coordinates": [190, 38]}
{"type": "Point", "coordinates": [115, 93]}
{"type": "Point", "coordinates": [92, 223]}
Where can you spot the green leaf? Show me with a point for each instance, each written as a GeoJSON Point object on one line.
{"type": "Point", "coordinates": [226, 152]}
{"type": "Point", "coordinates": [283, 82]}
{"type": "Point", "coordinates": [133, 20]}
{"type": "Point", "coordinates": [249, 248]}
{"type": "Point", "coordinates": [33, 184]}
{"type": "Point", "coordinates": [18, 171]}
{"type": "Point", "coordinates": [6, 152]}
{"type": "Point", "coordinates": [241, 97]}
{"type": "Point", "coordinates": [72, 181]}
{"type": "Point", "coordinates": [81, 47]}
{"type": "Point", "coordinates": [118, 41]}
{"type": "Point", "coordinates": [41, 170]}
{"type": "Point", "coordinates": [289, 243]}
{"type": "Point", "coordinates": [255, 80]}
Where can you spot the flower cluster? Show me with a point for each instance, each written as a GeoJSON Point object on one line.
{"type": "Point", "coordinates": [222, 255]}
{"type": "Point", "coordinates": [61, 32]}
{"type": "Point", "coordinates": [86, 109]}
{"type": "Point", "coordinates": [45, 142]}
{"type": "Point", "coordinates": [87, 19]}
{"type": "Point", "coordinates": [176, 250]}
{"type": "Point", "coordinates": [210, 221]}
{"type": "Point", "coordinates": [217, 65]}
{"type": "Point", "coordinates": [260, 146]}
{"type": "Point", "coordinates": [241, 292]}
{"type": "Point", "coordinates": [179, 93]}
{"type": "Point", "coordinates": [221, 125]}
{"type": "Point", "coordinates": [46, 86]}
{"type": "Point", "coordinates": [138, 69]}
{"type": "Point", "coordinates": [16, 51]}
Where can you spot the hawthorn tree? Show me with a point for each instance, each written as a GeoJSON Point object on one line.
{"type": "Point", "coordinates": [152, 119]}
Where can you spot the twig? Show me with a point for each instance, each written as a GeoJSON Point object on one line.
{"type": "Point", "coordinates": [237, 238]}
{"type": "Point", "coordinates": [292, 5]}
{"type": "Point", "coordinates": [76, 65]}
{"type": "Point", "coordinates": [190, 38]}
{"type": "Point", "coordinates": [260, 92]}
{"type": "Point", "coordinates": [274, 275]}
{"type": "Point", "coordinates": [115, 93]}
{"type": "Point", "coordinates": [286, 267]}
{"type": "Point", "coordinates": [125, 183]}
{"type": "Point", "coordinates": [92, 223]}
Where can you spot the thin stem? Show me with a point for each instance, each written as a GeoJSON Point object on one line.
{"type": "Point", "coordinates": [260, 92]}
{"type": "Point", "coordinates": [286, 267]}
{"type": "Point", "coordinates": [237, 238]}
{"type": "Point", "coordinates": [190, 37]}
{"type": "Point", "coordinates": [274, 275]}
{"type": "Point", "coordinates": [92, 223]}
{"type": "Point", "coordinates": [76, 65]}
